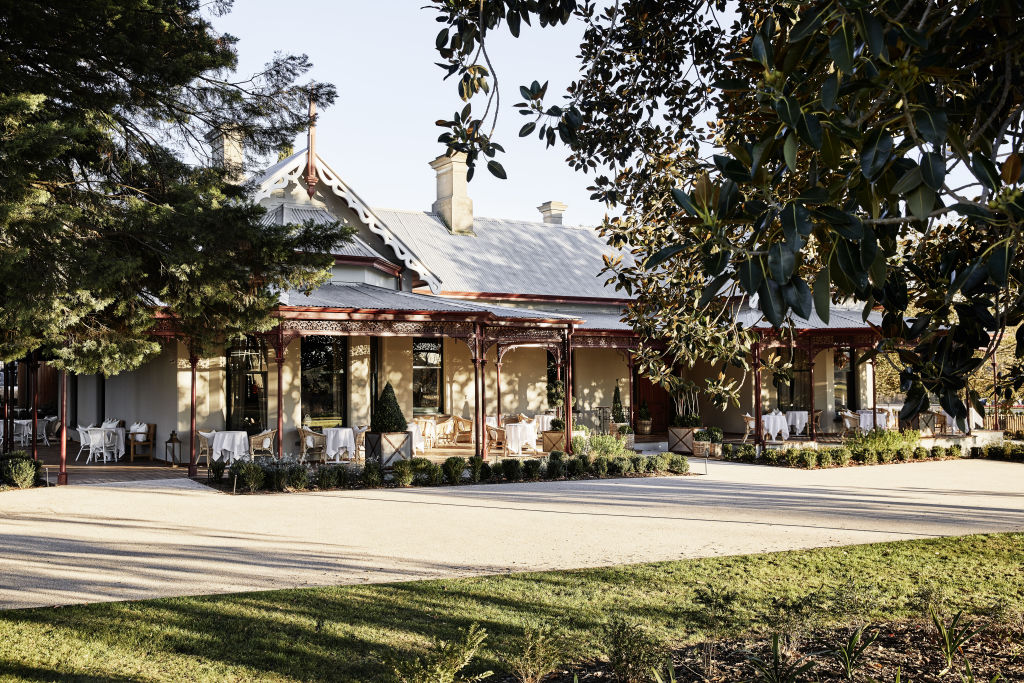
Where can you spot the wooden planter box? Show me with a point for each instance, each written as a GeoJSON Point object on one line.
{"type": "Point", "coordinates": [387, 447]}
{"type": "Point", "coordinates": [615, 427]}
{"type": "Point", "coordinates": [644, 426]}
{"type": "Point", "coordinates": [680, 439]}
{"type": "Point", "coordinates": [552, 441]}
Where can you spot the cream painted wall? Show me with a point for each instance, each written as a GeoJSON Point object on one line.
{"type": "Point", "coordinates": [865, 383]}
{"type": "Point", "coordinates": [524, 382]}
{"type": "Point", "coordinates": [358, 381]}
{"type": "Point", "coordinates": [731, 419]}
{"type": "Point", "coordinates": [396, 367]}
{"type": "Point", "coordinates": [458, 378]}
{"type": "Point", "coordinates": [595, 372]}
{"type": "Point", "coordinates": [145, 395]}
{"type": "Point", "coordinates": [210, 388]}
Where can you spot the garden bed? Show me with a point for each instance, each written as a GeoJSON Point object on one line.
{"type": "Point", "coordinates": [19, 471]}
{"type": "Point", "coordinates": [269, 475]}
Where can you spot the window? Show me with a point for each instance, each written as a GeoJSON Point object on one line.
{"type": "Point", "coordinates": [427, 376]}
{"type": "Point", "coordinates": [247, 385]}
{"type": "Point", "coordinates": [795, 393]}
{"type": "Point", "coordinates": [844, 379]}
{"type": "Point", "coordinates": [324, 381]}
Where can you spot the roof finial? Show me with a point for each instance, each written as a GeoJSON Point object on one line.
{"type": "Point", "coordinates": [311, 179]}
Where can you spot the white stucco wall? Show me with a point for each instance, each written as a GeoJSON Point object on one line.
{"type": "Point", "coordinates": [595, 372]}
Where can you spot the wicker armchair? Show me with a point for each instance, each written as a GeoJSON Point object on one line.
{"type": "Point", "coordinates": [749, 423]}
{"type": "Point", "coordinates": [148, 441]}
{"type": "Point", "coordinates": [445, 432]}
{"type": "Point", "coordinates": [312, 442]}
{"type": "Point", "coordinates": [817, 421]}
{"type": "Point", "coordinates": [262, 444]}
{"type": "Point", "coordinates": [202, 447]}
{"type": "Point", "coordinates": [463, 428]}
{"type": "Point", "coordinates": [360, 433]}
{"type": "Point", "coordinates": [513, 419]}
{"type": "Point", "coordinates": [851, 423]}
{"type": "Point", "coordinates": [496, 439]}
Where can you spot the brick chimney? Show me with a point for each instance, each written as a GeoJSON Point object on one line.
{"type": "Point", "coordinates": [453, 204]}
{"type": "Point", "coordinates": [228, 151]}
{"type": "Point", "coordinates": [552, 212]}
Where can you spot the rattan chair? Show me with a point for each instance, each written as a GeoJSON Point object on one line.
{"type": "Point", "coordinates": [749, 423]}
{"type": "Point", "coordinates": [202, 447]}
{"type": "Point", "coordinates": [496, 439]}
{"type": "Point", "coordinates": [817, 421]}
{"type": "Point", "coordinates": [463, 428]}
{"type": "Point", "coordinates": [445, 432]}
{"type": "Point", "coordinates": [262, 444]}
{"type": "Point", "coordinates": [147, 442]}
{"type": "Point", "coordinates": [851, 423]}
{"type": "Point", "coordinates": [312, 442]}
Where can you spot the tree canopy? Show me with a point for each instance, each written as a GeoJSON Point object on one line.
{"type": "Point", "coordinates": [787, 156]}
{"type": "Point", "coordinates": [110, 207]}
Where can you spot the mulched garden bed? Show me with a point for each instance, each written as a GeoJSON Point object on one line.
{"type": "Point", "coordinates": [911, 647]}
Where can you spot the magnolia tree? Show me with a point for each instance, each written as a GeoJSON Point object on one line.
{"type": "Point", "coordinates": [787, 156]}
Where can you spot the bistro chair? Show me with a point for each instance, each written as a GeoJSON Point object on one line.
{"type": "Point", "coordinates": [941, 422]}
{"type": "Point", "coordinates": [445, 432]}
{"type": "Point", "coordinates": [851, 423]}
{"type": "Point", "coordinates": [101, 444]}
{"type": "Point", "coordinates": [496, 439]}
{"type": "Point", "coordinates": [817, 421]}
{"type": "Point", "coordinates": [51, 429]}
{"type": "Point", "coordinates": [83, 441]}
{"type": "Point", "coordinates": [203, 446]}
{"type": "Point", "coordinates": [360, 436]}
{"type": "Point", "coordinates": [463, 427]}
{"type": "Point", "coordinates": [513, 419]}
{"type": "Point", "coordinates": [312, 443]}
{"type": "Point", "coordinates": [148, 441]}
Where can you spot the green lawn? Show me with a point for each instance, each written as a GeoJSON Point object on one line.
{"type": "Point", "coordinates": [349, 632]}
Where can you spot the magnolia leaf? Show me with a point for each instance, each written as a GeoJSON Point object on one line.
{"type": "Point", "coordinates": [789, 110]}
{"type": "Point", "coordinates": [807, 26]}
{"type": "Point", "coordinates": [662, 255]}
{"type": "Point", "coordinates": [795, 221]}
{"type": "Point", "coordinates": [527, 129]}
{"type": "Point", "coordinates": [798, 297]}
{"type": "Point", "coordinates": [908, 182]}
{"type": "Point", "coordinates": [879, 270]}
{"type": "Point", "coordinates": [759, 49]}
{"type": "Point", "coordinates": [496, 169]}
{"type": "Point", "coordinates": [789, 151]}
{"type": "Point", "coordinates": [840, 45]}
{"type": "Point", "coordinates": [829, 91]}
{"type": "Point", "coordinates": [1011, 169]}
{"type": "Point", "coordinates": [684, 201]}
{"type": "Point", "coordinates": [810, 130]}
{"type": "Point", "coordinates": [771, 303]}
{"type": "Point", "coordinates": [781, 262]}
{"type": "Point", "coordinates": [985, 171]}
{"type": "Point", "coordinates": [868, 247]}
{"type": "Point", "coordinates": [933, 170]}
{"type": "Point", "coordinates": [875, 37]}
{"type": "Point", "coordinates": [823, 294]}
{"type": "Point", "coordinates": [999, 263]}
{"type": "Point", "coordinates": [712, 290]}
{"type": "Point", "coordinates": [932, 125]}
{"type": "Point", "coordinates": [876, 153]}
{"type": "Point", "coordinates": [751, 274]}
{"type": "Point", "coordinates": [921, 201]}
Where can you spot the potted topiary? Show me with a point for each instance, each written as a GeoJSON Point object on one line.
{"type": "Point", "coordinates": [618, 413]}
{"type": "Point", "coordinates": [388, 439]}
{"type": "Point", "coordinates": [716, 436]}
{"type": "Point", "coordinates": [643, 419]}
{"type": "Point", "coordinates": [701, 443]}
{"type": "Point", "coordinates": [686, 420]}
{"type": "Point", "coordinates": [626, 434]}
{"type": "Point", "coordinates": [554, 438]}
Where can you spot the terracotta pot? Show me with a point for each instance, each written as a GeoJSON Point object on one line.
{"type": "Point", "coordinates": [552, 441]}
{"type": "Point", "coordinates": [387, 447]}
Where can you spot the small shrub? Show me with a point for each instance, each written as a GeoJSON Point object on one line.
{"type": "Point", "coordinates": [539, 654]}
{"type": "Point", "coordinates": [716, 434]}
{"type": "Point", "coordinates": [869, 457]}
{"type": "Point", "coordinates": [426, 473]}
{"type": "Point", "coordinates": [581, 444]}
{"type": "Point", "coordinates": [298, 477]}
{"type": "Point", "coordinates": [575, 467]}
{"type": "Point", "coordinates": [326, 477]}
{"type": "Point", "coordinates": [808, 458]}
{"type": "Point", "coordinates": [531, 469]}
{"type": "Point", "coordinates": [485, 471]}
{"type": "Point", "coordinates": [976, 452]}
{"type": "Point", "coordinates": [512, 469]}
{"type": "Point", "coordinates": [275, 474]}
{"type": "Point", "coordinates": [605, 445]}
{"type": "Point", "coordinates": [792, 457]}
{"type": "Point", "coordinates": [476, 464]}
{"type": "Point", "coordinates": [826, 458]}
{"type": "Point", "coordinates": [18, 471]}
{"type": "Point", "coordinates": [905, 454]}
{"type": "Point", "coordinates": [920, 453]}
{"type": "Point", "coordinates": [453, 469]}
{"type": "Point", "coordinates": [557, 425]}
{"type": "Point", "coordinates": [401, 473]}
{"type": "Point", "coordinates": [216, 470]}
{"type": "Point", "coordinates": [651, 464]}
{"type": "Point", "coordinates": [726, 451]}
{"type": "Point", "coordinates": [600, 466]}
{"type": "Point", "coordinates": [555, 467]}
{"type": "Point", "coordinates": [586, 462]}
{"type": "Point", "coordinates": [748, 453]}
{"type": "Point", "coordinates": [938, 452]}
{"type": "Point", "coordinates": [632, 651]}
{"type": "Point", "coordinates": [445, 660]}
{"type": "Point", "coordinates": [556, 455]}
{"type": "Point", "coordinates": [371, 475]}
{"type": "Point", "coordinates": [678, 464]}
{"type": "Point", "coordinates": [842, 456]}
{"type": "Point", "coordinates": [618, 466]}
{"type": "Point", "coordinates": [637, 461]}
{"type": "Point", "coordinates": [956, 451]}
{"type": "Point", "coordinates": [250, 475]}
{"type": "Point", "coordinates": [886, 455]}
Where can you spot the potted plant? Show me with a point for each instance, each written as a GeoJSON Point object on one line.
{"type": "Point", "coordinates": [643, 419]}
{"type": "Point", "coordinates": [701, 443]}
{"type": "Point", "coordinates": [618, 414]}
{"type": "Point", "coordinates": [716, 436]}
{"type": "Point", "coordinates": [687, 418]}
{"type": "Point", "coordinates": [388, 439]}
{"type": "Point", "coordinates": [626, 434]}
{"type": "Point", "coordinates": [554, 439]}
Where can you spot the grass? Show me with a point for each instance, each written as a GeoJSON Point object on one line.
{"type": "Point", "coordinates": [352, 632]}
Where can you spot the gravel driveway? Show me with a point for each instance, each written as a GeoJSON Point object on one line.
{"type": "Point", "coordinates": [148, 539]}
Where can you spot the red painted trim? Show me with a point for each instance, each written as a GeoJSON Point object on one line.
{"type": "Point", "coordinates": [504, 296]}
{"type": "Point", "coordinates": [380, 264]}
{"type": "Point", "coordinates": [314, 312]}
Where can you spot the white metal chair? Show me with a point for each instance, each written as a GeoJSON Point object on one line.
{"type": "Point", "coordinates": [101, 443]}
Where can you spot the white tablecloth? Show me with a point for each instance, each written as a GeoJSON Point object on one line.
{"type": "Point", "coordinates": [520, 435]}
{"type": "Point", "coordinates": [340, 439]}
{"type": "Point", "coordinates": [417, 438]}
{"type": "Point", "coordinates": [797, 419]}
{"type": "Point", "coordinates": [867, 421]}
{"type": "Point", "coordinates": [234, 443]}
{"type": "Point", "coordinates": [774, 425]}
{"type": "Point", "coordinates": [543, 422]}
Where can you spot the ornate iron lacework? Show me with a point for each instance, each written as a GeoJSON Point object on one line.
{"type": "Point", "coordinates": [380, 328]}
{"type": "Point", "coordinates": [603, 342]}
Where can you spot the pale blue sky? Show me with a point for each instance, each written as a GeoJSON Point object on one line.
{"type": "Point", "coordinates": [380, 134]}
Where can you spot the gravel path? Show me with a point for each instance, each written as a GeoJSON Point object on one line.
{"type": "Point", "coordinates": [175, 537]}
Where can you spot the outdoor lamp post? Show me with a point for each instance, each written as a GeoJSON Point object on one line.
{"type": "Point", "coordinates": [172, 449]}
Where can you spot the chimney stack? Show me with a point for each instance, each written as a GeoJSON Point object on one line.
{"type": "Point", "coordinates": [228, 151]}
{"type": "Point", "coordinates": [453, 203]}
{"type": "Point", "coordinates": [552, 212]}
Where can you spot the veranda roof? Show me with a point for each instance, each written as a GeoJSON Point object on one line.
{"type": "Point", "coordinates": [367, 298]}
{"type": "Point", "coordinates": [840, 318]}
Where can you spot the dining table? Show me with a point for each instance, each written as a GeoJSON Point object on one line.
{"type": "Point", "coordinates": [520, 435]}
{"type": "Point", "coordinates": [774, 424]}
{"type": "Point", "coordinates": [543, 422]}
{"type": "Point", "coordinates": [797, 420]}
{"type": "Point", "coordinates": [339, 439]}
{"type": "Point", "coordinates": [867, 420]}
{"type": "Point", "coordinates": [231, 445]}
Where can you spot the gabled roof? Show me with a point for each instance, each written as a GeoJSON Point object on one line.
{"type": "Point", "coordinates": [291, 170]}
{"type": "Point", "coordinates": [508, 256]}
{"type": "Point", "coordinates": [287, 214]}
{"type": "Point", "coordinates": [359, 296]}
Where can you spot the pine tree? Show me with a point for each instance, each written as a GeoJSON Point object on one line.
{"type": "Point", "coordinates": [387, 415]}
